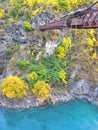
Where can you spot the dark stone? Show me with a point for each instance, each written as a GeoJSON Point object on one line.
{"type": "Point", "coordinates": [3, 60]}
{"type": "Point", "coordinates": [17, 33]}
{"type": "Point", "coordinates": [83, 89]}
{"type": "Point", "coordinates": [44, 17]}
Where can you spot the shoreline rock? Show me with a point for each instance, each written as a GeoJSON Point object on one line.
{"type": "Point", "coordinates": [79, 90]}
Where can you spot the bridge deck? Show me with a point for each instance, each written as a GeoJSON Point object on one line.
{"type": "Point", "coordinates": [87, 21]}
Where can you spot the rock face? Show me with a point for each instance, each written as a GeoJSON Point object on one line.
{"type": "Point", "coordinates": [3, 57]}
{"type": "Point", "coordinates": [3, 49]}
{"type": "Point", "coordinates": [15, 34]}
{"type": "Point", "coordinates": [50, 47]}
{"type": "Point", "coordinates": [80, 90]}
{"type": "Point", "coordinates": [3, 36]}
{"type": "Point", "coordinates": [41, 19]}
{"type": "Point", "coordinates": [83, 89]}
{"type": "Point", "coordinates": [64, 96]}
{"type": "Point", "coordinates": [26, 102]}
{"type": "Point", "coordinates": [22, 54]}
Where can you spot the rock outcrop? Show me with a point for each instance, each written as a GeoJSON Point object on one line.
{"type": "Point", "coordinates": [14, 34]}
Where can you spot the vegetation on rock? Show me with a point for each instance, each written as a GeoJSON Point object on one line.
{"type": "Point", "coordinates": [25, 9]}
{"type": "Point", "coordinates": [14, 87]}
{"type": "Point", "coordinates": [2, 13]}
{"type": "Point", "coordinates": [41, 90]}
{"type": "Point", "coordinates": [63, 48]}
{"type": "Point", "coordinates": [23, 64]}
{"type": "Point", "coordinates": [80, 48]}
{"type": "Point", "coordinates": [27, 26]}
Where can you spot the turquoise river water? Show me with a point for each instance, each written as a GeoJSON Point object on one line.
{"type": "Point", "coordinates": [74, 115]}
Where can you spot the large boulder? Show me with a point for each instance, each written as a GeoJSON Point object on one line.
{"type": "Point", "coordinates": [16, 33]}
{"type": "Point", "coordinates": [82, 89]}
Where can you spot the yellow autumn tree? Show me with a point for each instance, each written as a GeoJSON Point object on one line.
{"type": "Point", "coordinates": [2, 13]}
{"type": "Point", "coordinates": [30, 3]}
{"type": "Point", "coordinates": [62, 49]}
{"type": "Point", "coordinates": [41, 90]}
{"type": "Point", "coordinates": [14, 87]}
{"type": "Point", "coordinates": [71, 4]}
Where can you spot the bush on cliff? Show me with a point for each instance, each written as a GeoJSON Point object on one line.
{"type": "Point", "coordinates": [14, 87]}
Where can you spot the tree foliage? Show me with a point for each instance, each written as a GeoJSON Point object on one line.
{"type": "Point", "coordinates": [32, 7]}
{"type": "Point", "coordinates": [41, 90]}
{"type": "Point", "coordinates": [14, 87]}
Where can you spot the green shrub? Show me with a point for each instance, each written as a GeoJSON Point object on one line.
{"type": "Point", "coordinates": [27, 26]}
{"type": "Point", "coordinates": [48, 68]}
{"type": "Point", "coordinates": [23, 64]}
{"type": "Point", "coordinates": [13, 12]}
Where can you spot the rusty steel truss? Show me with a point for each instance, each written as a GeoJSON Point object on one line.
{"type": "Point", "coordinates": [86, 18]}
